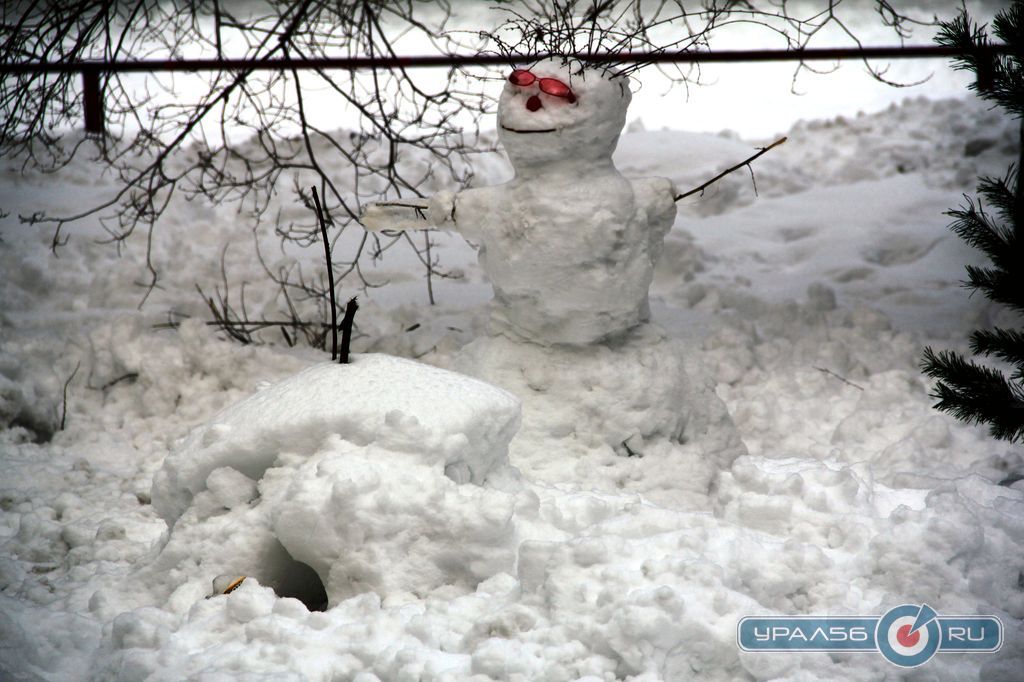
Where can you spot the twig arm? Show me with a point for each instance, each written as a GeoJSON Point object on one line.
{"type": "Point", "coordinates": [408, 214]}
{"type": "Point", "coordinates": [739, 165]}
{"type": "Point", "coordinates": [436, 212]}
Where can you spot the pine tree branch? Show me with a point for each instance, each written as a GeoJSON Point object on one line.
{"type": "Point", "coordinates": [1005, 344]}
{"type": "Point", "coordinates": [975, 227]}
{"type": "Point", "coordinates": [1001, 193]}
{"type": "Point", "coordinates": [997, 285]}
{"type": "Point", "coordinates": [999, 77]}
{"type": "Point", "coordinates": [1008, 26]}
{"type": "Point", "coordinates": [976, 394]}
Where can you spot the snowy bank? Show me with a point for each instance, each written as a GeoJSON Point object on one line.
{"type": "Point", "coordinates": [854, 496]}
{"type": "Point", "coordinates": [371, 474]}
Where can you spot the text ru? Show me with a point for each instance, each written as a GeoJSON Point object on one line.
{"type": "Point", "coordinates": [965, 634]}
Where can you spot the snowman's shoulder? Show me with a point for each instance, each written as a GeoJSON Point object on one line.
{"type": "Point", "coordinates": [470, 211]}
{"type": "Point", "coordinates": [655, 202]}
{"type": "Point", "coordinates": [481, 199]}
{"type": "Point", "coordinates": [653, 189]}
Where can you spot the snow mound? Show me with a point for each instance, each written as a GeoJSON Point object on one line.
{"type": "Point", "coordinates": [856, 496]}
{"type": "Point", "coordinates": [344, 479]}
{"type": "Point", "coordinates": [459, 424]}
{"type": "Point", "coordinates": [636, 415]}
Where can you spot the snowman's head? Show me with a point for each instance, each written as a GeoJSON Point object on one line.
{"type": "Point", "coordinates": [556, 110]}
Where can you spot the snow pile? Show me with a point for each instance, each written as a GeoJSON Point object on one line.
{"type": "Point", "coordinates": [644, 417]}
{"type": "Point", "coordinates": [460, 425]}
{"type": "Point", "coordinates": [370, 473]}
{"type": "Point", "coordinates": [805, 311]}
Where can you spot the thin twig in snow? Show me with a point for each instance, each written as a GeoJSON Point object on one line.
{"type": "Point", "coordinates": [130, 376]}
{"type": "Point", "coordinates": [330, 275]}
{"type": "Point", "coordinates": [739, 165]}
{"type": "Point", "coordinates": [64, 397]}
{"type": "Point", "coordinates": [346, 329]}
{"type": "Point", "coordinates": [842, 379]}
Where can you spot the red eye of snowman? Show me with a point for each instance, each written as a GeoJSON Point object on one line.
{"type": "Point", "coordinates": [521, 77]}
{"type": "Point", "coordinates": [549, 86]}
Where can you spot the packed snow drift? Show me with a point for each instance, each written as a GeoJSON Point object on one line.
{"type": "Point", "coordinates": [377, 475]}
{"type": "Point", "coordinates": [407, 522]}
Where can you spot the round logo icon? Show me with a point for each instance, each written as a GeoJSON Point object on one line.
{"type": "Point", "coordinates": [908, 635]}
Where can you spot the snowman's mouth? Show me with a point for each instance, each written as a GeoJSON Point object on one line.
{"type": "Point", "coordinates": [524, 132]}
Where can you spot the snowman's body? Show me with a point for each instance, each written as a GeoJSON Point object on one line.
{"type": "Point", "coordinates": [569, 244]}
{"type": "Point", "coordinates": [561, 274]}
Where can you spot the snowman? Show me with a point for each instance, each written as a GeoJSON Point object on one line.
{"type": "Point", "coordinates": [569, 244]}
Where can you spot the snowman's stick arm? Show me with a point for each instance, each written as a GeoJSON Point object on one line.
{"type": "Point", "coordinates": [399, 216]}
{"type": "Point", "coordinates": [739, 165]}
{"type": "Point", "coordinates": [419, 207]}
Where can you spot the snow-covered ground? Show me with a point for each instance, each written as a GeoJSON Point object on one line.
{"type": "Point", "coordinates": [807, 304]}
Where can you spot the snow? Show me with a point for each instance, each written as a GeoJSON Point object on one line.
{"type": "Point", "coordinates": [802, 493]}
{"type": "Point", "coordinates": [367, 476]}
{"type": "Point", "coordinates": [645, 418]}
{"type": "Point", "coordinates": [451, 421]}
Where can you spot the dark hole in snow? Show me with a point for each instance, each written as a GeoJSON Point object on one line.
{"type": "Point", "coordinates": [1012, 478]}
{"type": "Point", "coordinates": [38, 430]}
{"type": "Point", "coordinates": [459, 472]}
{"type": "Point", "coordinates": [299, 581]}
{"type": "Point", "coordinates": [978, 145]}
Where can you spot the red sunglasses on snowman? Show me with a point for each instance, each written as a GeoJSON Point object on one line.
{"type": "Point", "coordinates": [549, 86]}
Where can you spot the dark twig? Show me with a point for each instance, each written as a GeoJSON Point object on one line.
{"type": "Point", "coordinates": [64, 397]}
{"type": "Point", "coordinates": [255, 325]}
{"type": "Point", "coordinates": [842, 379]}
{"type": "Point", "coordinates": [130, 376]}
{"type": "Point", "coordinates": [739, 165]}
{"type": "Point", "coordinates": [630, 452]}
{"type": "Point", "coordinates": [346, 329]}
{"type": "Point", "coordinates": [330, 277]}
{"type": "Point", "coordinates": [222, 317]}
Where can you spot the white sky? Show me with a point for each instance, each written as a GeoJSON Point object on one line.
{"type": "Point", "coordinates": [754, 100]}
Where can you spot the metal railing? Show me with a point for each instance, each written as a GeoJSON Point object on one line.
{"type": "Point", "coordinates": [93, 96]}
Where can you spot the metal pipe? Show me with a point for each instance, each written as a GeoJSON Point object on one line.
{"type": "Point", "coordinates": [442, 60]}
